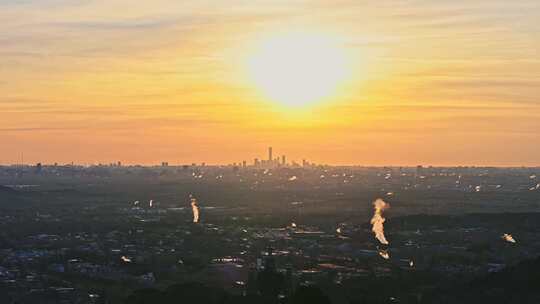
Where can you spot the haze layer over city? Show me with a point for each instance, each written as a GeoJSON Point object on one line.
{"type": "Point", "coordinates": [272, 152]}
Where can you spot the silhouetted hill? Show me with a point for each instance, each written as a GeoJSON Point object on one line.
{"type": "Point", "coordinates": [310, 295]}
{"type": "Point", "coordinates": [197, 293]}
{"type": "Point", "coordinates": [518, 284]}
{"type": "Point", "coordinates": [185, 293]}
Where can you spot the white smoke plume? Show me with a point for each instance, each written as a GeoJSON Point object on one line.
{"type": "Point", "coordinates": [195, 209]}
{"type": "Point", "coordinates": [377, 221]}
{"type": "Point", "coordinates": [508, 237]}
{"type": "Point", "coordinates": [384, 254]}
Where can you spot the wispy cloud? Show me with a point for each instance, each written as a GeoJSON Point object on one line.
{"type": "Point", "coordinates": [127, 73]}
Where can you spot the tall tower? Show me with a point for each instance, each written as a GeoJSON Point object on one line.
{"type": "Point", "coordinates": [270, 154]}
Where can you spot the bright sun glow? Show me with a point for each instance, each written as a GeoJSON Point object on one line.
{"type": "Point", "coordinates": [298, 69]}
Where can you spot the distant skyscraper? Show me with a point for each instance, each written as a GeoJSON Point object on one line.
{"type": "Point", "coordinates": [270, 154]}
{"type": "Point", "coordinates": [283, 160]}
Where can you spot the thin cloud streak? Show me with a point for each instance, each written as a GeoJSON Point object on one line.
{"type": "Point", "coordinates": [171, 73]}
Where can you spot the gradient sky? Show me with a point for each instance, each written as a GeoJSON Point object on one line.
{"type": "Point", "coordinates": [435, 82]}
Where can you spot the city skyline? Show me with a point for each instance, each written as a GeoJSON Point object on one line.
{"type": "Point", "coordinates": [269, 162]}
{"type": "Point", "coordinates": [259, 160]}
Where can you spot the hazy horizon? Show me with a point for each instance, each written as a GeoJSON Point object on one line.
{"type": "Point", "coordinates": [250, 163]}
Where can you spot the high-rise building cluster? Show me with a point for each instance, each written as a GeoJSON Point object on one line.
{"type": "Point", "coordinates": [277, 161]}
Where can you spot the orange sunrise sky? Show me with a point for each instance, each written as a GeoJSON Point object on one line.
{"type": "Point", "coordinates": [336, 82]}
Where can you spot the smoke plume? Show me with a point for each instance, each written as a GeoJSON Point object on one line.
{"type": "Point", "coordinates": [508, 237]}
{"type": "Point", "coordinates": [378, 220]}
{"type": "Point", "coordinates": [195, 210]}
{"type": "Point", "coordinates": [384, 254]}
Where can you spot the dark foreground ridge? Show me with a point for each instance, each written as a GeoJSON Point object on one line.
{"type": "Point", "coordinates": [516, 284]}
{"type": "Point", "coordinates": [193, 292]}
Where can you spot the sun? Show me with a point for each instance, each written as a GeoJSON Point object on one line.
{"type": "Point", "coordinates": [298, 69]}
